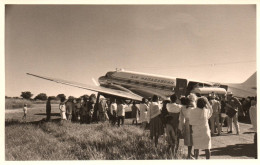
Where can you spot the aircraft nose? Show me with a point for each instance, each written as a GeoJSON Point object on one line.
{"type": "Point", "coordinates": [102, 80]}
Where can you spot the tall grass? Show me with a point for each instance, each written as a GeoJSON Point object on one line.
{"type": "Point", "coordinates": [73, 141]}
{"type": "Point", "coordinates": [14, 103]}
{"type": "Point", "coordinates": [11, 103]}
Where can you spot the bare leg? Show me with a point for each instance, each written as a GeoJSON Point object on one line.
{"type": "Point", "coordinates": [196, 153]}
{"type": "Point", "coordinates": [156, 140]}
{"type": "Point", "coordinates": [235, 119]}
{"type": "Point", "coordinates": [230, 121]}
{"type": "Point", "coordinates": [218, 126]}
{"type": "Point", "coordinates": [207, 152]}
{"type": "Point", "coordinates": [189, 151]}
{"type": "Point", "coordinates": [212, 125]}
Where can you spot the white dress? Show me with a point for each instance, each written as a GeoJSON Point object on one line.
{"type": "Point", "coordinates": [143, 113]}
{"type": "Point", "coordinates": [62, 108]}
{"type": "Point", "coordinates": [200, 128]}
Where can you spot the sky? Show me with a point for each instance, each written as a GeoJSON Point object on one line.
{"type": "Point", "coordinates": [80, 42]}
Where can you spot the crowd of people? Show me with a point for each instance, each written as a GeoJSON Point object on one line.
{"type": "Point", "coordinates": [193, 118]}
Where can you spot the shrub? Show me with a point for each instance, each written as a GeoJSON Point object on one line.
{"type": "Point", "coordinates": [26, 95]}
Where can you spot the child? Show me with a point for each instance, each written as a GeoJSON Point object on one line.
{"type": "Point", "coordinates": [171, 136]}
{"type": "Point", "coordinates": [24, 111]}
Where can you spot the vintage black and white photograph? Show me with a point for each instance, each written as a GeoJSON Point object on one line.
{"type": "Point", "coordinates": [130, 81]}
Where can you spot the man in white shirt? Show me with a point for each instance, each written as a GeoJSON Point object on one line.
{"type": "Point", "coordinates": [214, 119]}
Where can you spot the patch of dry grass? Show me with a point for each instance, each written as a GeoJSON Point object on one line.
{"type": "Point", "coordinates": [73, 141]}
{"type": "Point", "coordinates": [11, 103]}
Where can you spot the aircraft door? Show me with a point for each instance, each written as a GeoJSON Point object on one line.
{"type": "Point", "coordinates": [181, 86]}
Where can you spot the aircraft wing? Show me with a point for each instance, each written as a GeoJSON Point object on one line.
{"type": "Point", "coordinates": [99, 89]}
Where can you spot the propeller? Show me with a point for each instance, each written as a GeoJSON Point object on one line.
{"type": "Point", "coordinates": [95, 82]}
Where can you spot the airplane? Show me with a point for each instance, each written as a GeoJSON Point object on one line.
{"type": "Point", "coordinates": [135, 85]}
{"type": "Point", "coordinates": [245, 89]}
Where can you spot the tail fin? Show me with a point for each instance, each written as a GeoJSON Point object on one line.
{"type": "Point", "coordinates": [251, 81]}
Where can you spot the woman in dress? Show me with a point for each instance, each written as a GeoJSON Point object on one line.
{"type": "Point", "coordinates": [200, 128]}
{"type": "Point", "coordinates": [62, 108]}
{"type": "Point", "coordinates": [184, 125]}
{"type": "Point", "coordinates": [156, 126]}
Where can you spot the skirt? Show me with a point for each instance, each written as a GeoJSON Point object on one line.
{"type": "Point", "coordinates": [187, 134]}
{"type": "Point", "coordinates": [63, 115]}
{"type": "Point", "coordinates": [201, 137]}
{"type": "Point", "coordinates": [156, 127]}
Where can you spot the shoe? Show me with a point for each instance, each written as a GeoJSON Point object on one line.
{"type": "Point", "coordinates": [230, 132]}
{"type": "Point", "coordinates": [191, 157]}
{"type": "Point", "coordinates": [237, 133]}
{"type": "Point", "coordinates": [218, 134]}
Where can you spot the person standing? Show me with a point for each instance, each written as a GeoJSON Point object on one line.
{"type": "Point", "coordinates": [253, 118]}
{"type": "Point", "coordinates": [135, 112]}
{"type": "Point", "coordinates": [143, 113]}
{"type": "Point", "coordinates": [48, 109]}
{"type": "Point", "coordinates": [121, 113]}
{"type": "Point", "coordinates": [214, 119]}
{"type": "Point", "coordinates": [200, 128]}
{"type": "Point", "coordinates": [184, 125]}
{"type": "Point", "coordinates": [77, 109]}
{"type": "Point", "coordinates": [84, 111]}
{"type": "Point", "coordinates": [223, 115]}
{"type": "Point", "coordinates": [232, 108]}
{"type": "Point", "coordinates": [156, 126]}
{"type": "Point", "coordinates": [69, 108]}
{"type": "Point", "coordinates": [174, 110]}
{"type": "Point", "coordinates": [113, 109]}
{"type": "Point", "coordinates": [62, 108]}
{"type": "Point", "coordinates": [25, 109]}
{"type": "Point", "coordinates": [90, 108]}
{"type": "Point", "coordinates": [102, 108]}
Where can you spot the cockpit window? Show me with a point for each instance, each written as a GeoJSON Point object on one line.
{"type": "Point", "coordinates": [109, 74]}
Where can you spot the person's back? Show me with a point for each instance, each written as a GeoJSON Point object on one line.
{"type": "Point", "coordinates": [154, 109]}
{"type": "Point", "coordinates": [69, 107]}
{"type": "Point", "coordinates": [143, 112]}
{"type": "Point", "coordinates": [121, 110]}
{"type": "Point", "coordinates": [215, 106]}
{"type": "Point", "coordinates": [113, 108]}
{"type": "Point", "coordinates": [173, 107]}
{"type": "Point", "coordinates": [121, 113]}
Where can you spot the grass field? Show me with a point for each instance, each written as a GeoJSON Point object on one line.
{"type": "Point", "coordinates": [39, 140]}
{"type": "Point", "coordinates": [11, 103]}
{"type": "Point", "coordinates": [72, 141]}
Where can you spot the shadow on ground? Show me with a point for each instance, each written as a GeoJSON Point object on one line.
{"type": "Point", "coordinates": [44, 114]}
{"type": "Point", "coordinates": [237, 150]}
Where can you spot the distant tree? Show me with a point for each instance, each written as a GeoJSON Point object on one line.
{"type": "Point", "coordinates": [41, 96]}
{"type": "Point", "coordinates": [26, 95]}
{"type": "Point", "coordinates": [59, 96]}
